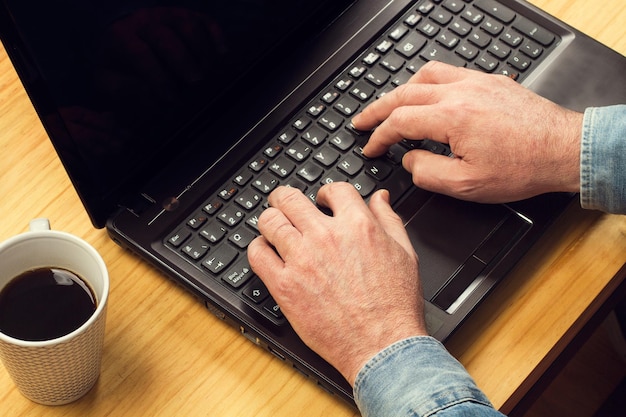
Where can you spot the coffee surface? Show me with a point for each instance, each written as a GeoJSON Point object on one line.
{"type": "Point", "coordinates": [44, 304]}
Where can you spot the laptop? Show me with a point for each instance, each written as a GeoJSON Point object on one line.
{"type": "Point", "coordinates": [176, 119]}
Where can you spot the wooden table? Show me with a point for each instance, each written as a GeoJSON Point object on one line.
{"type": "Point", "coordinates": [166, 355]}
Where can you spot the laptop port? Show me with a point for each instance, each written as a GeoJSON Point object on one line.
{"type": "Point", "coordinates": [249, 336]}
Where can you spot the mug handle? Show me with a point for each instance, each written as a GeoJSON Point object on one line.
{"type": "Point", "coordinates": [37, 225]}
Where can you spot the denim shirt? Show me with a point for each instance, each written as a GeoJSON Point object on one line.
{"type": "Point", "coordinates": [603, 159]}
{"type": "Point", "coordinates": [417, 376]}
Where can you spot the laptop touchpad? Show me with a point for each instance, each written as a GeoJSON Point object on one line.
{"type": "Point", "coordinates": [455, 240]}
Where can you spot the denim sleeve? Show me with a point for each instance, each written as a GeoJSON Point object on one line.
{"type": "Point", "coordinates": [603, 159]}
{"type": "Point", "coordinates": [418, 377]}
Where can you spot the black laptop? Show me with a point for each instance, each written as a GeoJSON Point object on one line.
{"type": "Point", "coordinates": [176, 119]}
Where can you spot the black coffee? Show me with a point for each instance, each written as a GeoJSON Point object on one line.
{"type": "Point", "coordinates": [44, 304]}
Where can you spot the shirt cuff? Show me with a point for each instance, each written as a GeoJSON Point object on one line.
{"type": "Point", "coordinates": [415, 376]}
{"type": "Point", "coordinates": [603, 158]}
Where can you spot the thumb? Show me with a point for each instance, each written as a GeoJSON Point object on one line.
{"type": "Point", "coordinates": [389, 219]}
{"type": "Point", "coordinates": [432, 172]}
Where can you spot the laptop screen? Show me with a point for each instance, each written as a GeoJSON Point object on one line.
{"type": "Point", "coordinates": [114, 81]}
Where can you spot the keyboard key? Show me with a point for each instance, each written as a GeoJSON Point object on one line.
{"type": "Point", "coordinates": [274, 309]}
{"type": "Point", "coordinates": [397, 33]}
{"type": "Point", "coordinates": [310, 172]}
{"type": "Point", "coordinates": [439, 53]}
{"type": "Point", "coordinates": [347, 106]}
{"type": "Point", "coordinates": [441, 17]}
{"type": "Point", "coordinates": [487, 62]}
{"type": "Point", "coordinates": [364, 185]}
{"type": "Point", "coordinates": [377, 76]}
{"type": "Point", "coordinates": [253, 220]}
{"type": "Point", "coordinates": [231, 216]}
{"type": "Point", "coordinates": [249, 199]}
{"type": "Point", "coordinates": [179, 237]}
{"type": "Point", "coordinates": [392, 63]}
{"type": "Point", "coordinates": [326, 156]}
{"type": "Point", "coordinates": [528, 28]}
{"type": "Point", "coordinates": [315, 135]}
{"type": "Point", "coordinates": [461, 27]}
{"type": "Point", "coordinates": [197, 221]}
{"type": "Point", "coordinates": [333, 176]}
{"type": "Point", "coordinates": [512, 38]}
{"type": "Point", "coordinates": [401, 78]}
{"type": "Point", "coordinates": [499, 50]}
{"type": "Point", "coordinates": [531, 49]}
{"type": "Point", "coordinates": [426, 7]}
{"type": "Point", "coordinates": [343, 140]}
{"type": "Point", "coordinates": [265, 183]}
{"type": "Point", "coordinates": [220, 259]}
{"type": "Point", "coordinates": [429, 29]}
{"type": "Point", "coordinates": [496, 10]}
{"type": "Point", "coordinates": [299, 151]}
{"type": "Point", "coordinates": [350, 164]}
{"type": "Point", "coordinates": [410, 46]}
{"type": "Point", "coordinates": [412, 19]}
{"type": "Point", "coordinates": [243, 177]}
{"type": "Point", "coordinates": [362, 91]}
{"type": "Point", "coordinates": [287, 136]}
{"type": "Point", "coordinates": [256, 292]}
{"type": "Point", "coordinates": [213, 232]}
{"type": "Point", "coordinates": [448, 39]}
{"type": "Point", "coordinates": [196, 248]}
{"type": "Point", "coordinates": [227, 193]}
{"type": "Point", "coordinates": [472, 15]}
{"type": "Point", "coordinates": [241, 238]}
{"type": "Point", "coordinates": [378, 169]}
{"type": "Point", "coordinates": [282, 167]}
{"type": "Point", "coordinates": [455, 6]}
{"type": "Point", "coordinates": [467, 51]}
{"type": "Point", "coordinates": [239, 274]}
{"type": "Point", "coordinates": [213, 207]}
{"type": "Point", "coordinates": [331, 121]}
{"type": "Point", "coordinates": [520, 62]}
{"type": "Point", "coordinates": [258, 164]}
{"type": "Point", "coordinates": [479, 38]}
{"type": "Point", "coordinates": [272, 151]}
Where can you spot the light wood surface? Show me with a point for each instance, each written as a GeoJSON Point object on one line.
{"type": "Point", "coordinates": [166, 355]}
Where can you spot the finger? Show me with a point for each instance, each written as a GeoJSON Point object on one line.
{"type": "Point", "coordinates": [433, 72]}
{"type": "Point", "coordinates": [279, 231]}
{"type": "Point", "coordinates": [438, 173]}
{"type": "Point", "coordinates": [296, 207]}
{"type": "Point", "coordinates": [389, 219]}
{"type": "Point", "coordinates": [408, 122]}
{"type": "Point", "coordinates": [341, 198]}
{"type": "Point", "coordinates": [263, 260]}
{"type": "Point", "coordinates": [404, 95]}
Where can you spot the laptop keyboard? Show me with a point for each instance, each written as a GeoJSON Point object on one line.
{"type": "Point", "coordinates": [319, 146]}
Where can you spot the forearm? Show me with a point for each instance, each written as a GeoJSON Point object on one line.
{"type": "Point", "coordinates": [418, 377]}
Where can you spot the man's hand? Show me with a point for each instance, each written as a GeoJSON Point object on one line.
{"type": "Point", "coordinates": [509, 142]}
{"type": "Point", "coordinates": [348, 284]}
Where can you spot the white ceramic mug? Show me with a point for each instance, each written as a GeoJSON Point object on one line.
{"type": "Point", "coordinates": [60, 370]}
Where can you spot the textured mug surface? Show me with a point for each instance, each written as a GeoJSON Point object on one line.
{"type": "Point", "coordinates": [61, 370]}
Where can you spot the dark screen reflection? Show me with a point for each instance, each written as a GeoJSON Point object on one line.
{"type": "Point", "coordinates": [125, 75]}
